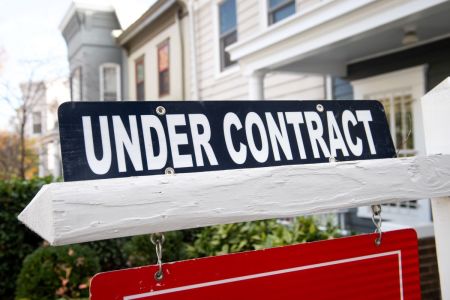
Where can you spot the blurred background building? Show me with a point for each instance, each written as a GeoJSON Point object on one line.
{"type": "Point", "coordinates": [42, 126]}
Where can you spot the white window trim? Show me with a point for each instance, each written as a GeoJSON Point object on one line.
{"type": "Point", "coordinates": [218, 73]}
{"type": "Point", "coordinates": [119, 89]}
{"type": "Point", "coordinates": [264, 17]}
{"type": "Point", "coordinates": [411, 78]}
{"type": "Point", "coordinates": [265, 9]}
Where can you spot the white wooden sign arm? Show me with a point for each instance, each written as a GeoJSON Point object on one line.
{"type": "Point", "coordinates": [436, 114]}
{"type": "Point", "coordinates": [81, 211]}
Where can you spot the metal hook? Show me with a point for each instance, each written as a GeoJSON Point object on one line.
{"type": "Point", "coordinates": [377, 221]}
{"type": "Point", "coordinates": [158, 239]}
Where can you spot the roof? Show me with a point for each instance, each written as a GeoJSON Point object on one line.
{"type": "Point", "coordinates": [127, 12]}
{"type": "Point", "coordinates": [146, 19]}
{"type": "Point", "coordinates": [97, 5]}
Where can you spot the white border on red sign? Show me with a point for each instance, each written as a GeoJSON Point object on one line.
{"type": "Point", "coordinates": [273, 273]}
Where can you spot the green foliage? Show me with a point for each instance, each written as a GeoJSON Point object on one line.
{"type": "Point", "coordinates": [141, 251]}
{"type": "Point", "coordinates": [16, 241]}
{"type": "Point", "coordinates": [238, 237]}
{"type": "Point", "coordinates": [110, 253]}
{"type": "Point", "coordinates": [57, 272]}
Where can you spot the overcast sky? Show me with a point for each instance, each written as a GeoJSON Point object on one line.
{"type": "Point", "coordinates": [29, 31]}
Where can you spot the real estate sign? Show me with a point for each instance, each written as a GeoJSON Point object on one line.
{"type": "Point", "coordinates": [345, 268]}
{"type": "Point", "coordinates": [120, 139]}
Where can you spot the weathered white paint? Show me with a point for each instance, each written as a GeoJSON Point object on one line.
{"type": "Point", "coordinates": [82, 211]}
{"type": "Point", "coordinates": [436, 111]}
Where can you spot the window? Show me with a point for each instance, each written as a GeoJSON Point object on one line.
{"type": "Point", "coordinates": [227, 31]}
{"type": "Point", "coordinates": [37, 122]}
{"type": "Point", "coordinates": [398, 108]}
{"type": "Point", "coordinates": [280, 9]}
{"type": "Point", "coordinates": [163, 68]}
{"type": "Point", "coordinates": [109, 82]}
{"type": "Point", "coordinates": [140, 79]}
{"type": "Point", "coordinates": [75, 84]}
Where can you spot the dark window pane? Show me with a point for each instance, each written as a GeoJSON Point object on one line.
{"type": "Point", "coordinates": [274, 3]}
{"type": "Point", "coordinates": [227, 14]}
{"type": "Point", "coordinates": [224, 43]}
{"type": "Point", "coordinates": [163, 68]}
{"type": "Point", "coordinates": [110, 84]}
{"type": "Point", "coordinates": [164, 82]}
{"type": "Point", "coordinates": [140, 79]}
{"type": "Point", "coordinates": [283, 12]}
{"type": "Point", "coordinates": [140, 94]}
{"type": "Point", "coordinates": [37, 122]}
{"type": "Point", "coordinates": [140, 72]}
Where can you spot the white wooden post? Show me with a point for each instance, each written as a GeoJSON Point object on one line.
{"type": "Point", "coordinates": [256, 85]}
{"type": "Point", "coordinates": [436, 114]}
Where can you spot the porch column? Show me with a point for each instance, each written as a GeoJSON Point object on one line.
{"type": "Point", "coordinates": [256, 85]}
{"type": "Point", "coordinates": [435, 112]}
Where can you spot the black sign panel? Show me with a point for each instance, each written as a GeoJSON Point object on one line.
{"type": "Point", "coordinates": [119, 139]}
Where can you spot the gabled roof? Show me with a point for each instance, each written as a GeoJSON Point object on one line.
{"type": "Point", "coordinates": [146, 19]}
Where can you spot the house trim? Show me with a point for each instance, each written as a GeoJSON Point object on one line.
{"type": "Point", "coordinates": [308, 32]}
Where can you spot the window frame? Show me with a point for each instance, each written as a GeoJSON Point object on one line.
{"type": "Point", "coordinates": [405, 81]}
{"type": "Point", "coordinates": [138, 61]}
{"type": "Point", "coordinates": [34, 113]}
{"type": "Point", "coordinates": [80, 87]}
{"type": "Point", "coordinates": [272, 10]}
{"type": "Point", "coordinates": [160, 46]}
{"type": "Point", "coordinates": [118, 81]}
{"type": "Point", "coordinates": [221, 36]}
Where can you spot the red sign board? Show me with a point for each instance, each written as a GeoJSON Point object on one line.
{"type": "Point", "coordinates": [344, 268]}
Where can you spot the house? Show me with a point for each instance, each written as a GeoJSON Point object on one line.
{"type": "Point", "coordinates": [157, 47]}
{"type": "Point", "coordinates": [95, 59]}
{"type": "Point", "coordinates": [43, 100]}
{"type": "Point", "coordinates": [392, 51]}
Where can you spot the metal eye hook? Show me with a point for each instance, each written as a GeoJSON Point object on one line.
{"type": "Point", "coordinates": [377, 221]}
{"type": "Point", "coordinates": [158, 239]}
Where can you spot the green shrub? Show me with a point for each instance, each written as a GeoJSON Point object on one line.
{"type": "Point", "coordinates": [57, 272]}
{"type": "Point", "coordinates": [110, 253]}
{"type": "Point", "coordinates": [16, 241]}
{"type": "Point", "coordinates": [237, 237]}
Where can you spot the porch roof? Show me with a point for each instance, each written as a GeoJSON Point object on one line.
{"type": "Point", "coordinates": [324, 40]}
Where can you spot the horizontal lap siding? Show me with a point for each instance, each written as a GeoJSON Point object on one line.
{"type": "Point", "coordinates": [235, 86]}
{"type": "Point", "coordinates": [248, 18]}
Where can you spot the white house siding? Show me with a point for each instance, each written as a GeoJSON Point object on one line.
{"type": "Point", "coordinates": [307, 4]}
{"type": "Point", "coordinates": [232, 85]}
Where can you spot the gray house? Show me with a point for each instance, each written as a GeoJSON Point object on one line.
{"type": "Point", "coordinates": [94, 57]}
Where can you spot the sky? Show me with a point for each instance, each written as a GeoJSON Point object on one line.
{"type": "Point", "coordinates": [29, 32]}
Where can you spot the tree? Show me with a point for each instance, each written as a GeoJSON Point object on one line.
{"type": "Point", "coordinates": [10, 160]}
{"type": "Point", "coordinates": [23, 100]}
